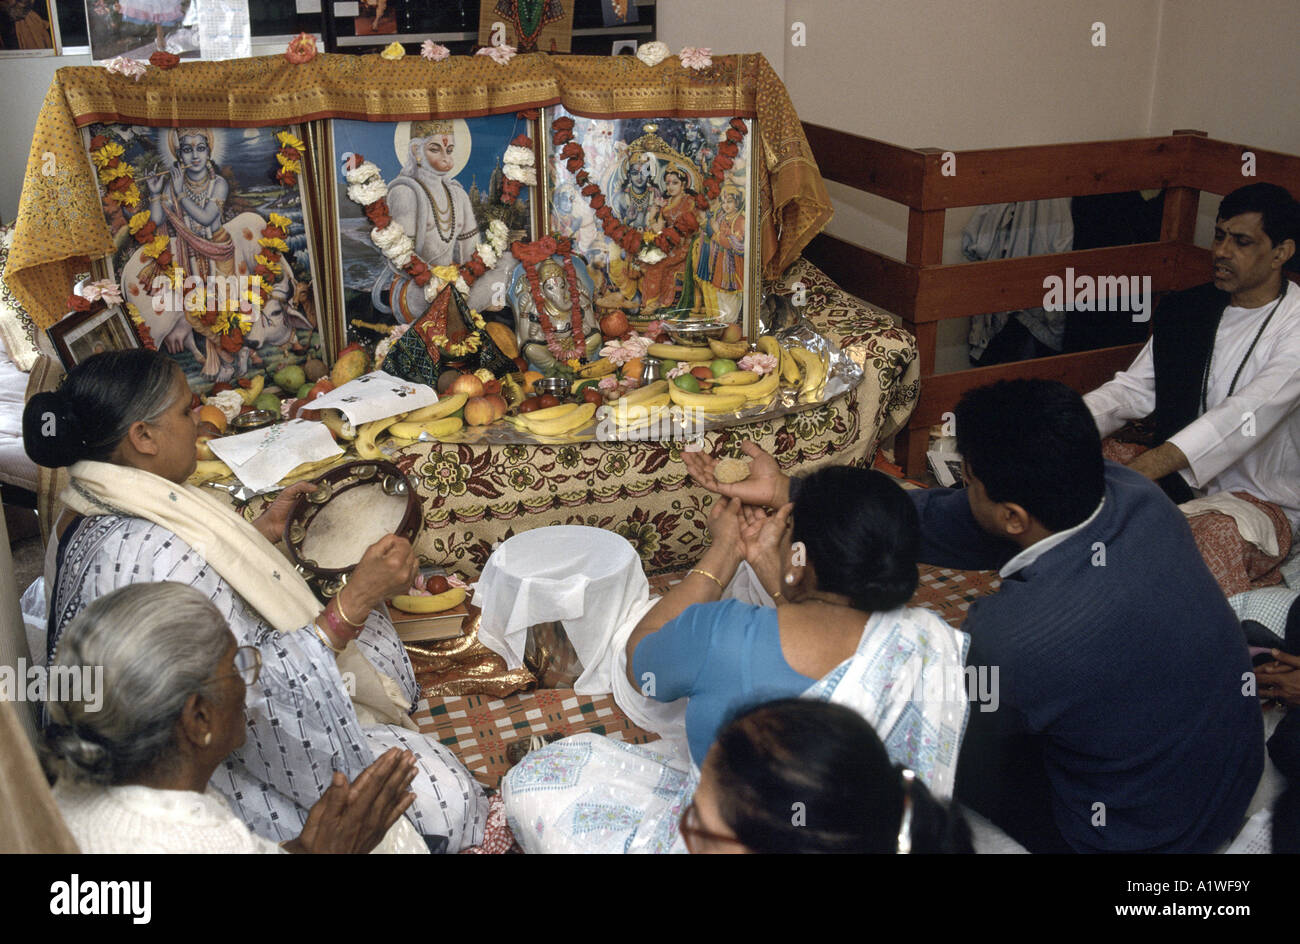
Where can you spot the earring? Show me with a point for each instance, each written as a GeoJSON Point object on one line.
{"type": "Point", "coordinates": [207, 738]}
{"type": "Point", "coordinates": [789, 579]}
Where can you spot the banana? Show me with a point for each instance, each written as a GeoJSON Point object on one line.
{"type": "Point", "coordinates": [767, 344]}
{"type": "Point", "coordinates": [368, 433]}
{"type": "Point", "coordinates": [790, 368]}
{"type": "Point", "coordinates": [436, 429]}
{"type": "Point", "coordinates": [638, 418]}
{"type": "Point", "coordinates": [813, 372]}
{"type": "Point", "coordinates": [762, 390]}
{"type": "Point", "coordinates": [736, 378]}
{"type": "Point", "coordinates": [729, 349]}
{"type": "Point", "coordinates": [550, 413]}
{"type": "Point", "coordinates": [208, 470]}
{"type": "Point", "coordinates": [338, 424]}
{"type": "Point", "coordinates": [597, 368]}
{"type": "Point", "coordinates": [649, 392]}
{"type": "Point", "coordinates": [308, 470]}
{"type": "Point", "coordinates": [254, 390]}
{"type": "Point", "coordinates": [679, 352]}
{"type": "Point", "coordinates": [708, 402]}
{"type": "Point", "coordinates": [569, 422]}
{"type": "Point", "coordinates": [622, 412]}
{"type": "Point", "coordinates": [436, 411]}
{"type": "Point", "coordinates": [448, 599]}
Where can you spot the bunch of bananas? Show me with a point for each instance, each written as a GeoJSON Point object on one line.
{"type": "Point", "coordinates": [435, 419]}
{"type": "Point", "coordinates": [799, 367]}
{"type": "Point", "coordinates": [555, 421]}
{"type": "Point", "coordinates": [641, 408]}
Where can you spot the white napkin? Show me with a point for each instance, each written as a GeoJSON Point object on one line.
{"type": "Point", "coordinates": [374, 396]}
{"type": "Point", "coordinates": [1252, 524]}
{"type": "Point", "coordinates": [261, 458]}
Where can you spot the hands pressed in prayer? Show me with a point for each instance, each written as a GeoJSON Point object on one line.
{"type": "Point", "coordinates": [767, 486]}
{"type": "Point", "coordinates": [353, 818]}
{"type": "Point", "coordinates": [1279, 679]}
{"type": "Point", "coordinates": [271, 522]}
{"type": "Point", "coordinates": [766, 540]}
{"type": "Point", "coordinates": [725, 523]}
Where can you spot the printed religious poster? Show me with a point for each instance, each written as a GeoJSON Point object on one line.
{"type": "Point", "coordinates": [527, 25]}
{"type": "Point", "coordinates": [446, 187]}
{"type": "Point", "coordinates": [26, 28]}
{"type": "Point", "coordinates": [661, 209]}
{"type": "Point", "coordinates": [212, 249]}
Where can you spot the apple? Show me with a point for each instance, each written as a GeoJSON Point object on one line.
{"type": "Point", "coordinates": [467, 384]}
{"type": "Point", "coordinates": [687, 383]}
{"type": "Point", "coordinates": [499, 405]}
{"type": "Point", "coordinates": [614, 325]}
{"type": "Point", "coordinates": [437, 584]}
{"type": "Point", "coordinates": [202, 449]}
{"type": "Point", "coordinates": [722, 366]}
{"type": "Point", "coordinates": [530, 404]}
{"type": "Point", "coordinates": [702, 372]}
{"type": "Point", "coordinates": [479, 411]}
{"type": "Point", "coordinates": [732, 333]}
{"type": "Point", "coordinates": [445, 380]}
{"type": "Point", "coordinates": [491, 387]}
{"type": "Point", "coordinates": [547, 400]}
{"type": "Point", "coordinates": [593, 395]}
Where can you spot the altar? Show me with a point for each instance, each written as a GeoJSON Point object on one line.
{"type": "Point", "coordinates": [316, 242]}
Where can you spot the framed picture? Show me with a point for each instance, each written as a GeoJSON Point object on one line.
{"type": "Point", "coordinates": [26, 28]}
{"type": "Point", "coordinates": [138, 28]}
{"type": "Point", "coordinates": [528, 25]}
{"type": "Point", "coordinates": [444, 183]}
{"type": "Point", "coordinates": [84, 334]}
{"type": "Point", "coordinates": [653, 176]}
{"type": "Point", "coordinates": [213, 249]}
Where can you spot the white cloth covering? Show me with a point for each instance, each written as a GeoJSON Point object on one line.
{"type": "Point", "coordinates": [1252, 523]}
{"type": "Point", "coordinates": [1225, 451]}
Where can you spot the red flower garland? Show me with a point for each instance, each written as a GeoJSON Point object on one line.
{"type": "Point", "coordinates": [164, 60]}
{"type": "Point", "coordinates": [529, 255]}
{"type": "Point", "coordinates": [631, 240]}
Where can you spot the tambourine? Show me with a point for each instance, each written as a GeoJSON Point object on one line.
{"type": "Point", "coordinates": [353, 506]}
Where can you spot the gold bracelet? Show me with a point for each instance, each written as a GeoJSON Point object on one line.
{"type": "Point", "coordinates": [778, 599]}
{"type": "Point", "coordinates": [338, 604]}
{"type": "Point", "coordinates": [705, 573]}
{"type": "Point", "coordinates": [325, 639]}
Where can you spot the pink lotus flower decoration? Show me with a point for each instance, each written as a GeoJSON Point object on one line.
{"type": "Point", "coordinates": [498, 54]}
{"type": "Point", "coordinates": [434, 52]}
{"type": "Point", "coordinates": [758, 363]}
{"type": "Point", "coordinates": [696, 57]}
{"type": "Point", "coordinates": [123, 65]}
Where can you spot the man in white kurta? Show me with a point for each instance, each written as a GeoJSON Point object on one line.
{"type": "Point", "coordinates": [1245, 437]}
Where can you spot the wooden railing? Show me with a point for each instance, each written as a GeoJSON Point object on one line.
{"type": "Point", "coordinates": [923, 291]}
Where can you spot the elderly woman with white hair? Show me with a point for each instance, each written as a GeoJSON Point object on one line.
{"type": "Point", "coordinates": [133, 757]}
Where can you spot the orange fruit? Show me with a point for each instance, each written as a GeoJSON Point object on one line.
{"type": "Point", "coordinates": [530, 380]}
{"type": "Point", "coordinates": [632, 369]}
{"type": "Point", "coordinates": [210, 414]}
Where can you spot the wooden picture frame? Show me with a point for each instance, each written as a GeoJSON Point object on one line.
{"type": "Point", "coordinates": [83, 334]}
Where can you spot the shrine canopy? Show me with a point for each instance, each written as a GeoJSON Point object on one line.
{"type": "Point", "coordinates": [61, 222]}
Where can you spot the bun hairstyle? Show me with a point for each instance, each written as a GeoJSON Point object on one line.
{"type": "Point", "coordinates": [862, 535]}
{"type": "Point", "coordinates": [99, 400]}
{"type": "Point", "coordinates": [825, 762]}
{"type": "Point", "coordinates": [157, 644]}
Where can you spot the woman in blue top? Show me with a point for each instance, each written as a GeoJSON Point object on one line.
{"type": "Point", "coordinates": [839, 564]}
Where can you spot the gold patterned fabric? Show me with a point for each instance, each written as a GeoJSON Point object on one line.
{"type": "Point", "coordinates": [475, 496]}
{"type": "Point", "coordinates": [61, 224]}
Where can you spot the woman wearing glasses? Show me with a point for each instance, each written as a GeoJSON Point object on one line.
{"type": "Point", "coordinates": [336, 687]}
{"type": "Point", "coordinates": [803, 776]}
{"type": "Point", "coordinates": [133, 757]}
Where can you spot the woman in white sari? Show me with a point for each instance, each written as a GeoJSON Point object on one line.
{"type": "Point", "coordinates": [336, 686]}
{"type": "Point", "coordinates": [839, 576]}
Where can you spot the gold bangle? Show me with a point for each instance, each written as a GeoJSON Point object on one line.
{"type": "Point", "coordinates": [778, 599]}
{"type": "Point", "coordinates": [325, 639]}
{"type": "Point", "coordinates": [338, 605]}
{"type": "Point", "coordinates": [705, 573]}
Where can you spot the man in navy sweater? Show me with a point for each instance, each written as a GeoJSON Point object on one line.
{"type": "Point", "coordinates": [1126, 717]}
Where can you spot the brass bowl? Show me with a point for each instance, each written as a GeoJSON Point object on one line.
{"type": "Point", "coordinates": [253, 419]}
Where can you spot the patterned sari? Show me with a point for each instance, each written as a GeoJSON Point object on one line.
{"type": "Point", "coordinates": [590, 794]}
